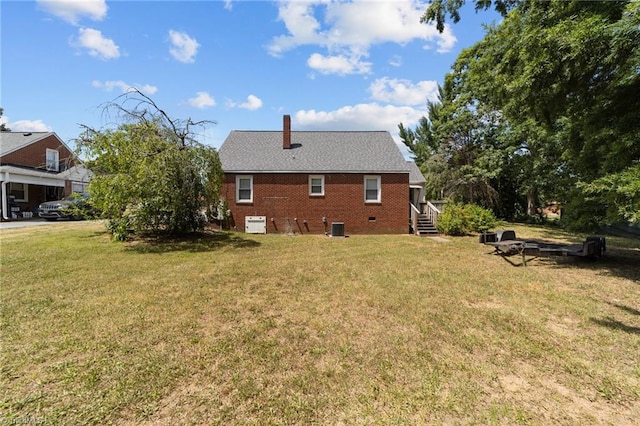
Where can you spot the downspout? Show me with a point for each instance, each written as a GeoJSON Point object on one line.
{"type": "Point", "coordinates": [4, 196]}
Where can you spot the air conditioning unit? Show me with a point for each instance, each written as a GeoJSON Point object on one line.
{"type": "Point", "coordinates": [255, 224]}
{"type": "Point", "coordinates": [337, 229]}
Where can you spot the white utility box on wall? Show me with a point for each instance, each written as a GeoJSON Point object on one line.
{"type": "Point", "coordinates": [255, 224]}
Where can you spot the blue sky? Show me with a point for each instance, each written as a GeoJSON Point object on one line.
{"type": "Point", "coordinates": [331, 65]}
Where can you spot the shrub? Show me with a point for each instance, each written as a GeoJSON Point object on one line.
{"type": "Point", "coordinates": [452, 221]}
{"type": "Point", "coordinates": [461, 219]}
{"type": "Point", "coordinates": [480, 219]}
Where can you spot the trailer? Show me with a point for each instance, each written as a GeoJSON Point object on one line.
{"type": "Point", "coordinates": [505, 244]}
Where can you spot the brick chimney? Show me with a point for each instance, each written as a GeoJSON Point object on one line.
{"type": "Point", "coordinates": [286, 132]}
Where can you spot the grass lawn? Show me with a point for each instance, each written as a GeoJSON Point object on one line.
{"type": "Point", "coordinates": [269, 329]}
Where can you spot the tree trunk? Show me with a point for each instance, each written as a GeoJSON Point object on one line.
{"type": "Point", "coordinates": [532, 195]}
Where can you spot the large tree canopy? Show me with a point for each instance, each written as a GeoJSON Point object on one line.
{"type": "Point", "coordinates": [438, 10]}
{"type": "Point", "coordinates": [151, 175]}
{"type": "Point", "coordinates": [564, 78]}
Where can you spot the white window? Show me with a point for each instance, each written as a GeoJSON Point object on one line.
{"type": "Point", "coordinates": [372, 189]}
{"type": "Point", "coordinates": [244, 189]}
{"type": "Point", "coordinates": [53, 159]}
{"type": "Point", "coordinates": [20, 191]}
{"type": "Point", "coordinates": [79, 187]}
{"type": "Point", "coordinates": [316, 185]}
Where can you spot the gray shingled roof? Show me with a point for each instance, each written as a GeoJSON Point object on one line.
{"type": "Point", "coordinates": [415, 175]}
{"type": "Point", "coordinates": [341, 152]}
{"type": "Point", "coordinates": [12, 141]}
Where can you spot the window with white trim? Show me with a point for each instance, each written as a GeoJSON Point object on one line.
{"type": "Point", "coordinates": [316, 185]}
{"type": "Point", "coordinates": [372, 189]}
{"type": "Point", "coordinates": [244, 189]}
{"type": "Point", "coordinates": [53, 160]}
{"type": "Point", "coordinates": [20, 191]}
{"type": "Point", "coordinates": [79, 187]}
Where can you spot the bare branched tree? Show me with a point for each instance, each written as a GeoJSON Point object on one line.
{"type": "Point", "coordinates": [136, 107]}
{"type": "Point", "coordinates": [151, 174]}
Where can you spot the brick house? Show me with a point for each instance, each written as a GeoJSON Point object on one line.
{"type": "Point", "coordinates": [34, 168]}
{"type": "Point", "coordinates": [305, 181]}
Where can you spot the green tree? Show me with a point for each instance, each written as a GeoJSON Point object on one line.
{"type": "Point", "coordinates": [438, 9]}
{"type": "Point", "coordinates": [456, 148]}
{"type": "Point", "coordinates": [622, 190]}
{"type": "Point", "coordinates": [151, 175]}
{"type": "Point", "coordinates": [418, 140]}
{"type": "Point", "coordinates": [422, 141]}
{"type": "Point", "coordinates": [424, 146]}
{"type": "Point", "coordinates": [564, 75]}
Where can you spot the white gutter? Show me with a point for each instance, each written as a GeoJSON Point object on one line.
{"type": "Point", "coordinates": [32, 177]}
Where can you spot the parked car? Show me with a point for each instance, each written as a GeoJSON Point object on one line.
{"type": "Point", "coordinates": [75, 206]}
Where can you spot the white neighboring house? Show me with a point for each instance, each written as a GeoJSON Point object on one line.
{"type": "Point", "coordinates": [36, 167]}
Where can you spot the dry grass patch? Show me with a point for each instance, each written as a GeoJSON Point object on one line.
{"type": "Point", "coordinates": [267, 329]}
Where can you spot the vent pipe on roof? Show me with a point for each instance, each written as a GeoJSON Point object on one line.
{"type": "Point", "coordinates": [286, 132]}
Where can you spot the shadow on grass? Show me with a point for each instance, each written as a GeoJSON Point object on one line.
{"type": "Point", "coordinates": [198, 242]}
{"type": "Point", "coordinates": [627, 309]}
{"type": "Point", "coordinates": [617, 262]}
{"type": "Point", "coordinates": [623, 262]}
{"type": "Point", "coordinates": [616, 325]}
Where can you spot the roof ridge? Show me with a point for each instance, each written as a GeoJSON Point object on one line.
{"type": "Point", "coordinates": [313, 131]}
{"type": "Point", "coordinates": [335, 150]}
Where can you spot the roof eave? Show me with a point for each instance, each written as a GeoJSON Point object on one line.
{"type": "Point", "coordinates": [240, 171]}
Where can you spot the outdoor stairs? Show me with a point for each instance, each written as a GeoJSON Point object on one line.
{"type": "Point", "coordinates": [425, 226]}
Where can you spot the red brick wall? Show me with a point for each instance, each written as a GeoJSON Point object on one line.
{"type": "Point", "coordinates": [285, 197]}
{"type": "Point", "coordinates": [35, 155]}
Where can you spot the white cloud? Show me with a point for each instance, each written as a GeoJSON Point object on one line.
{"type": "Point", "coordinates": [362, 117]}
{"type": "Point", "coordinates": [72, 10]}
{"type": "Point", "coordinates": [124, 87]}
{"type": "Point", "coordinates": [370, 116]}
{"type": "Point", "coordinates": [351, 28]}
{"type": "Point", "coordinates": [395, 61]}
{"type": "Point", "coordinates": [338, 64]}
{"type": "Point", "coordinates": [97, 45]}
{"type": "Point", "coordinates": [445, 42]}
{"type": "Point", "coordinates": [253, 103]}
{"type": "Point", "coordinates": [29, 126]}
{"type": "Point", "coordinates": [202, 100]}
{"type": "Point", "coordinates": [404, 92]}
{"type": "Point", "coordinates": [228, 4]}
{"type": "Point", "coordinates": [301, 24]}
{"type": "Point", "coordinates": [184, 48]}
